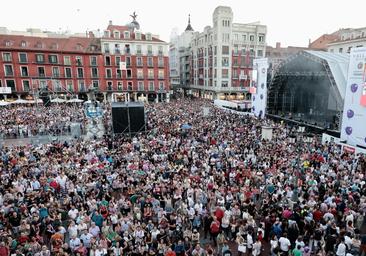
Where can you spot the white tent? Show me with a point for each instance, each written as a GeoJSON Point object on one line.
{"type": "Point", "coordinates": [4, 103]}
{"type": "Point", "coordinates": [58, 100]}
{"type": "Point", "coordinates": [75, 101]}
{"type": "Point", "coordinates": [20, 101]}
{"type": "Point", "coordinates": [39, 101]}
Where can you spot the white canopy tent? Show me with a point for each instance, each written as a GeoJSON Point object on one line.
{"type": "Point", "coordinates": [58, 100]}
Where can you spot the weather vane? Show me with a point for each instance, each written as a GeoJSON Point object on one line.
{"type": "Point", "coordinates": [134, 15]}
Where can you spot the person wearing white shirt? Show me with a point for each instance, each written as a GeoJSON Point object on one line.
{"type": "Point", "coordinates": [73, 212]}
{"type": "Point", "coordinates": [341, 248]}
{"type": "Point", "coordinates": [86, 237]}
{"type": "Point", "coordinates": [285, 243]}
{"type": "Point", "coordinates": [74, 242]}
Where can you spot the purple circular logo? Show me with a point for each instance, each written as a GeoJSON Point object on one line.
{"type": "Point", "coordinates": [261, 96]}
{"type": "Point", "coordinates": [359, 66]}
{"type": "Point", "coordinates": [354, 88]}
{"type": "Point", "coordinates": [349, 130]}
{"type": "Point", "coordinates": [350, 113]}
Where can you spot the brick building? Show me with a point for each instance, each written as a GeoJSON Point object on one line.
{"type": "Point", "coordinates": [123, 60]}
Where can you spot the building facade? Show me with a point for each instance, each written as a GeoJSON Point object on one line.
{"type": "Point", "coordinates": [222, 57]}
{"type": "Point", "coordinates": [61, 65]}
{"type": "Point", "coordinates": [179, 58]}
{"type": "Point", "coordinates": [123, 60]}
{"type": "Point", "coordinates": [348, 39]}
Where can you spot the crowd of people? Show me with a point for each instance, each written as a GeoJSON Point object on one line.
{"type": "Point", "coordinates": [212, 188]}
{"type": "Point", "coordinates": [27, 121]}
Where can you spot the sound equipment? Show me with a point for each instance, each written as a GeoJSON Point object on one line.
{"type": "Point", "coordinates": [128, 117]}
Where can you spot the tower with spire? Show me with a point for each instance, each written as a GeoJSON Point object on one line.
{"type": "Point", "coordinates": [189, 27]}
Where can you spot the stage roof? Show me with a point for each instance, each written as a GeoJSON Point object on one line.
{"type": "Point", "coordinates": [338, 64]}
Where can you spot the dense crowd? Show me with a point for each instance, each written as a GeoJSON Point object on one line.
{"type": "Point", "coordinates": [28, 121]}
{"type": "Point", "coordinates": [213, 188]}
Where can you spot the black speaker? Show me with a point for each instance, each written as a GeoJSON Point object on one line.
{"type": "Point", "coordinates": [128, 117]}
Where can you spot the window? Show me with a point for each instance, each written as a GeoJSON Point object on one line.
{"type": "Point", "coordinates": [56, 85]}
{"type": "Point", "coordinates": [150, 73]}
{"type": "Point", "coordinates": [23, 58]}
{"type": "Point", "coordinates": [79, 61]}
{"type": "Point", "coordinates": [128, 61]}
{"type": "Point", "coordinates": [119, 86]}
{"type": "Point", "coordinates": [55, 72]}
{"type": "Point", "coordinates": [127, 34]}
{"type": "Point", "coordinates": [80, 73]}
{"type": "Point", "coordinates": [106, 33]}
{"type": "Point", "coordinates": [42, 84]}
{"type": "Point", "coordinates": [94, 72]}
{"type": "Point", "coordinates": [161, 86]}
{"type": "Point", "coordinates": [108, 73]}
{"type": "Point", "coordinates": [107, 60]}
{"type": "Point", "coordinates": [6, 56]}
{"type": "Point", "coordinates": [93, 60]}
{"type": "Point", "coordinates": [70, 86]}
{"type": "Point", "coordinates": [129, 86]}
{"type": "Point", "coordinates": [26, 85]}
{"type": "Point", "coordinates": [106, 47]}
{"type": "Point", "coordinates": [149, 61]}
{"type": "Point", "coordinates": [11, 84]}
{"type": "Point", "coordinates": [261, 38]}
{"type": "Point", "coordinates": [148, 37]}
{"type": "Point", "coordinates": [151, 86]}
{"type": "Point", "coordinates": [225, 61]}
{"type": "Point", "coordinates": [340, 50]}
{"type": "Point", "coordinates": [236, 37]}
{"type": "Point", "coordinates": [116, 34]}
{"type": "Point", "coordinates": [138, 35]}
{"type": "Point", "coordinates": [140, 86]}
{"type": "Point", "coordinates": [67, 60]}
{"type": "Point", "coordinates": [7, 43]}
{"type": "Point", "coordinates": [117, 49]}
{"type": "Point", "coordinates": [161, 62]}
{"type": "Point", "coordinates": [118, 60]}
{"type": "Point", "coordinates": [109, 85]}
{"type": "Point", "coordinates": [39, 58]}
{"type": "Point", "coordinates": [260, 53]}
{"type": "Point", "coordinates": [68, 73]}
{"type": "Point", "coordinates": [41, 72]}
{"type": "Point", "coordinates": [160, 50]}
{"type": "Point", "coordinates": [52, 59]}
{"type": "Point", "coordinates": [127, 49]}
{"type": "Point", "coordinates": [244, 38]}
{"type": "Point", "coordinates": [225, 73]}
{"type": "Point", "coordinates": [119, 73]}
{"type": "Point", "coordinates": [140, 74]}
{"type": "Point", "coordinates": [139, 62]}
{"type": "Point", "coordinates": [24, 71]}
{"type": "Point", "coordinates": [138, 49]}
{"type": "Point", "coordinates": [161, 74]}
{"type": "Point", "coordinates": [224, 84]}
{"type": "Point", "coordinates": [251, 38]}
{"type": "Point", "coordinates": [225, 49]}
{"type": "Point", "coordinates": [8, 70]}
{"type": "Point", "coordinates": [149, 50]}
{"type": "Point", "coordinates": [23, 44]}
{"type": "Point", "coordinates": [129, 73]}
{"type": "Point", "coordinates": [95, 84]}
{"type": "Point", "coordinates": [81, 85]}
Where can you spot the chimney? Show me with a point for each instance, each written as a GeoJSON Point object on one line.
{"type": "Point", "coordinates": [91, 34]}
{"type": "Point", "coordinates": [110, 23]}
{"type": "Point", "coordinates": [278, 45]}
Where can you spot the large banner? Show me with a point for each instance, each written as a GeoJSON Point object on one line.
{"type": "Point", "coordinates": [354, 112]}
{"type": "Point", "coordinates": [259, 81]}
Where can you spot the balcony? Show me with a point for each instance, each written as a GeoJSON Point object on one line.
{"type": "Point", "coordinates": [161, 64]}
{"type": "Point", "coordinates": [108, 76]}
{"type": "Point", "coordinates": [150, 65]}
{"type": "Point", "coordinates": [149, 53]}
{"type": "Point", "coordinates": [138, 52]}
{"type": "Point", "coordinates": [94, 76]}
{"type": "Point", "coordinates": [160, 53]}
{"type": "Point", "coordinates": [150, 77]}
{"type": "Point", "coordinates": [140, 77]}
{"type": "Point", "coordinates": [161, 77]}
{"type": "Point", "coordinates": [117, 51]}
{"type": "Point", "coordinates": [139, 64]}
{"type": "Point", "coordinates": [9, 73]}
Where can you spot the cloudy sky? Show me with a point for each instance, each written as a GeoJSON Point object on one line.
{"type": "Point", "coordinates": [291, 22]}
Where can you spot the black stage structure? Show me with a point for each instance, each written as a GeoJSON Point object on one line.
{"type": "Point", "coordinates": [128, 118]}
{"type": "Point", "coordinates": [309, 88]}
